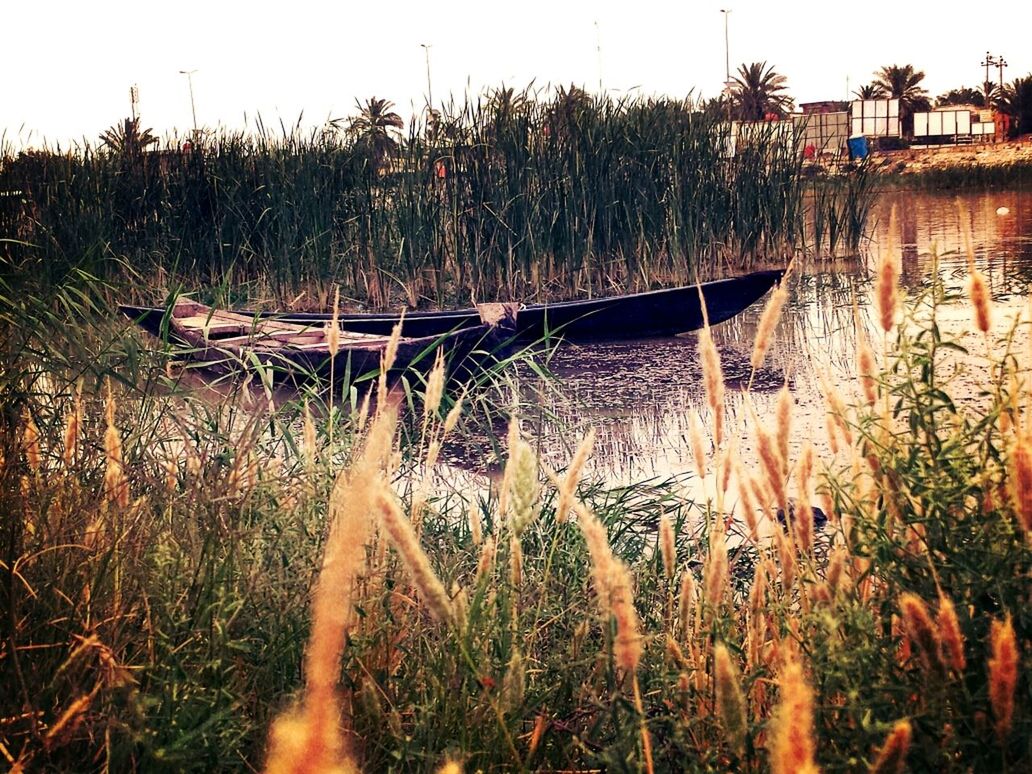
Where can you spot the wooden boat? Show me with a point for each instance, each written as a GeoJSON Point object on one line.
{"type": "Point", "coordinates": [638, 315]}
{"type": "Point", "coordinates": [231, 341]}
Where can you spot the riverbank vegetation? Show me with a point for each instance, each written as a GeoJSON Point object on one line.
{"type": "Point", "coordinates": [957, 175]}
{"type": "Point", "coordinates": [507, 197]}
{"type": "Point", "coordinates": [197, 585]}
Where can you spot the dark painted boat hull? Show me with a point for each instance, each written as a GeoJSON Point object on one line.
{"type": "Point", "coordinates": [655, 313]}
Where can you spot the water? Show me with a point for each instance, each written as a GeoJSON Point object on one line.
{"type": "Point", "coordinates": [638, 394]}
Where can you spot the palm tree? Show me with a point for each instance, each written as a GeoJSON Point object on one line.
{"type": "Point", "coordinates": [375, 129]}
{"type": "Point", "coordinates": [127, 139]}
{"type": "Point", "coordinates": [902, 82]}
{"type": "Point", "coordinates": [964, 96]}
{"type": "Point", "coordinates": [504, 103]}
{"type": "Point", "coordinates": [870, 91]}
{"type": "Point", "coordinates": [1016, 101]}
{"type": "Point", "coordinates": [758, 91]}
{"type": "Point", "coordinates": [507, 111]}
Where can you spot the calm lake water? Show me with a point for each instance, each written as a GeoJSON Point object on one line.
{"type": "Point", "coordinates": [638, 394]}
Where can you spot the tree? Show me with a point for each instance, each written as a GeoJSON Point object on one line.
{"type": "Point", "coordinates": [963, 96]}
{"type": "Point", "coordinates": [1016, 101]}
{"type": "Point", "coordinates": [758, 91]}
{"type": "Point", "coordinates": [507, 112]}
{"type": "Point", "coordinates": [870, 91]}
{"type": "Point", "coordinates": [127, 139]}
{"type": "Point", "coordinates": [903, 82]}
{"type": "Point", "coordinates": [375, 129]}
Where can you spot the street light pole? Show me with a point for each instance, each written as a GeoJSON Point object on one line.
{"type": "Point", "coordinates": [727, 49]}
{"type": "Point", "coordinates": [193, 108]}
{"type": "Point", "coordinates": [727, 63]}
{"type": "Point", "coordinates": [429, 92]}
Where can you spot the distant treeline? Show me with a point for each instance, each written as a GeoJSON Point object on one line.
{"type": "Point", "coordinates": [506, 196]}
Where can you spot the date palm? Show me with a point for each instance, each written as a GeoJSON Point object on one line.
{"type": "Point", "coordinates": [758, 91]}
{"type": "Point", "coordinates": [127, 138]}
{"type": "Point", "coordinates": [903, 82]}
{"type": "Point", "coordinates": [965, 96]}
{"type": "Point", "coordinates": [375, 130]}
{"type": "Point", "coordinates": [1016, 101]}
{"type": "Point", "coordinates": [507, 112]}
{"type": "Point", "coordinates": [870, 91]}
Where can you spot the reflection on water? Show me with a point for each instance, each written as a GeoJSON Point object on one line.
{"type": "Point", "coordinates": [638, 394]}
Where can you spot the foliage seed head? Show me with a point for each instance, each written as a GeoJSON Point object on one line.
{"type": "Point", "coordinates": [980, 301]}
{"type": "Point", "coordinates": [1003, 674]}
{"type": "Point", "coordinates": [950, 635]}
{"type": "Point", "coordinates": [713, 382]}
{"type": "Point", "coordinates": [666, 546]}
{"type": "Point", "coordinates": [730, 700]}
{"type": "Point", "coordinates": [768, 322]}
{"type": "Point", "coordinates": [868, 368]}
{"type": "Point", "coordinates": [1020, 480]}
{"type": "Point", "coordinates": [792, 745]}
{"type": "Point", "coordinates": [569, 486]}
{"type": "Point", "coordinates": [921, 631]}
{"type": "Point", "coordinates": [695, 440]}
{"type": "Point", "coordinates": [406, 542]}
{"type": "Point", "coordinates": [887, 290]}
{"type": "Point", "coordinates": [434, 386]}
{"type": "Point", "coordinates": [892, 759]}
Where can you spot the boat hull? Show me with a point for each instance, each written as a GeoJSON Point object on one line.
{"type": "Point", "coordinates": [298, 352]}
{"type": "Point", "coordinates": [655, 313]}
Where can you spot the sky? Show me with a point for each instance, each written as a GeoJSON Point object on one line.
{"type": "Point", "coordinates": [68, 66]}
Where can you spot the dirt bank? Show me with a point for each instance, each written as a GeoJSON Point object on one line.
{"type": "Point", "coordinates": [918, 159]}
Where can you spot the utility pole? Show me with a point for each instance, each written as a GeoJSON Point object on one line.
{"type": "Point", "coordinates": [429, 92]}
{"type": "Point", "coordinates": [598, 50]}
{"type": "Point", "coordinates": [134, 101]}
{"type": "Point", "coordinates": [193, 108]}
{"type": "Point", "coordinates": [987, 84]}
{"type": "Point", "coordinates": [1001, 63]}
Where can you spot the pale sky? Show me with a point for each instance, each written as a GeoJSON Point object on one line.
{"type": "Point", "coordinates": [68, 65]}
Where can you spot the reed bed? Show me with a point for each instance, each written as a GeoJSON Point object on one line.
{"type": "Point", "coordinates": [515, 195]}
{"type": "Point", "coordinates": [194, 585]}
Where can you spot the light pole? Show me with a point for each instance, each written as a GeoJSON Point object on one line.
{"type": "Point", "coordinates": [429, 92]}
{"type": "Point", "coordinates": [193, 109]}
{"type": "Point", "coordinates": [727, 62]}
{"type": "Point", "coordinates": [727, 49]}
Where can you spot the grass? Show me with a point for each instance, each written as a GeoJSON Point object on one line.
{"type": "Point", "coordinates": [510, 196]}
{"type": "Point", "coordinates": [179, 575]}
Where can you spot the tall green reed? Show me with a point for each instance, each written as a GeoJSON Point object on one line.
{"type": "Point", "coordinates": [511, 195]}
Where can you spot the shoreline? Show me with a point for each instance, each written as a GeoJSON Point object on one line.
{"type": "Point", "coordinates": [953, 166]}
